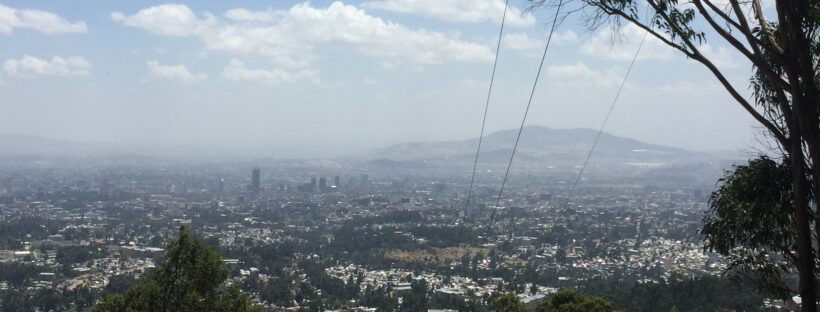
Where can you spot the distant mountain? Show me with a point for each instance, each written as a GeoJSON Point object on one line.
{"type": "Point", "coordinates": [17, 151]}
{"type": "Point", "coordinates": [29, 145]}
{"type": "Point", "coordinates": [542, 146]}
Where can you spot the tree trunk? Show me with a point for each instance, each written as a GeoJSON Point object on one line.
{"type": "Point", "coordinates": [805, 259]}
{"type": "Point", "coordinates": [802, 84]}
{"type": "Point", "coordinates": [814, 154]}
{"type": "Point", "coordinates": [809, 98]}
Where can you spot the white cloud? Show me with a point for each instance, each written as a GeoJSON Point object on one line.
{"type": "Point", "coordinates": [42, 21]}
{"type": "Point", "coordinates": [580, 75]}
{"type": "Point", "coordinates": [524, 42]}
{"type": "Point", "coordinates": [683, 88]}
{"type": "Point", "coordinates": [457, 10]}
{"type": "Point", "coordinates": [564, 37]}
{"type": "Point", "coordinates": [237, 71]}
{"type": "Point", "coordinates": [722, 57]}
{"type": "Point", "coordinates": [611, 45]}
{"type": "Point", "coordinates": [171, 72]}
{"type": "Point", "coordinates": [288, 38]}
{"type": "Point", "coordinates": [29, 66]}
{"type": "Point", "coordinates": [168, 20]}
{"type": "Point", "coordinates": [245, 15]}
{"type": "Point", "coordinates": [622, 46]}
{"type": "Point", "coordinates": [521, 41]}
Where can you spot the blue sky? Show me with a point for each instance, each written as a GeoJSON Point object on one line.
{"type": "Point", "coordinates": [290, 78]}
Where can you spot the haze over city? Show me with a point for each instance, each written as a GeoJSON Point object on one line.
{"type": "Point", "coordinates": [271, 79]}
{"type": "Point", "coordinates": [410, 156]}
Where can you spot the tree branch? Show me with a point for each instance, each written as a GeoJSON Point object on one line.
{"type": "Point", "coordinates": [636, 22]}
{"type": "Point", "coordinates": [764, 27]}
{"type": "Point", "coordinates": [698, 56]}
{"type": "Point", "coordinates": [743, 25]}
{"type": "Point", "coordinates": [743, 102]}
{"type": "Point", "coordinates": [756, 59]}
{"type": "Point", "coordinates": [722, 32]}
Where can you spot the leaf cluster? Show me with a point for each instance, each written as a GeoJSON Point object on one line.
{"type": "Point", "coordinates": [750, 220]}
{"type": "Point", "coordinates": [190, 278]}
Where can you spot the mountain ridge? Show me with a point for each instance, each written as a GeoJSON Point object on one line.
{"type": "Point", "coordinates": [536, 142]}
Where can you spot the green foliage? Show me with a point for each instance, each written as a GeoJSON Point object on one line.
{"type": "Point", "coordinates": [77, 254]}
{"type": "Point", "coordinates": [751, 208]}
{"type": "Point", "coordinates": [750, 220]}
{"type": "Point", "coordinates": [509, 303]}
{"type": "Point", "coordinates": [379, 298]}
{"type": "Point", "coordinates": [188, 279]}
{"type": "Point", "coordinates": [277, 292]}
{"type": "Point", "coordinates": [710, 293]}
{"type": "Point", "coordinates": [16, 273]}
{"type": "Point", "coordinates": [333, 290]}
{"type": "Point", "coordinates": [119, 284]}
{"type": "Point", "coordinates": [13, 230]}
{"type": "Point", "coordinates": [569, 300]}
{"type": "Point", "coordinates": [416, 300]}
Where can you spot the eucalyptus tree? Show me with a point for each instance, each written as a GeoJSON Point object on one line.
{"type": "Point", "coordinates": [782, 46]}
{"type": "Point", "coordinates": [750, 222]}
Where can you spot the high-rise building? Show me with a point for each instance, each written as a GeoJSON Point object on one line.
{"type": "Point", "coordinates": [256, 186]}
{"type": "Point", "coordinates": [439, 188]}
{"type": "Point", "coordinates": [322, 184]}
{"type": "Point", "coordinates": [337, 181]}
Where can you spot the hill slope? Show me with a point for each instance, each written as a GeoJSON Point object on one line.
{"type": "Point", "coordinates": [29, 145]}
{"type": "Point", "coordinates": [541, 145]}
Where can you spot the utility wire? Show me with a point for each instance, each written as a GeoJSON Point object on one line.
{"type": "Point", "coordinates": [606, 119]}
{"type": "Point", "coordinates": [529, 103]}
{"type": "Point", "coordinates": [486, 107]}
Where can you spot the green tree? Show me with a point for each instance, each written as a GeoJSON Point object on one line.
{"type": "Point", "coordinates": [379, 298]}
{"type": "Point", "coordinates": [416, 300]}
{"type": "Point", "coordinates": [569, 300]}
{"type": "Point", "coordinates": [189, 278]}
{"type": "Point", "coordinates": [509, 303]}
{"type": "Point", "coordinates": [783, 53]}
{"type": "Point", "coordinates": [750, 222]}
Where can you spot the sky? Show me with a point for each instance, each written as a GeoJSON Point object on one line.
{"type": "Point", "coordinates": [329, 78]}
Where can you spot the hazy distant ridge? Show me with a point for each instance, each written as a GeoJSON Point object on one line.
{"type": "Point", "coordinates": [537, 142]}
{"type": "Point", "coordinates": [30, 145]}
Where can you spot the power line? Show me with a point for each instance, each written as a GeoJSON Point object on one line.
{"type": "Point", "coordinates": [486, 107]}
{"type": "Point", "coordinates": [527, 110]}
{"type": "Point", "coordinates": [606, 119]}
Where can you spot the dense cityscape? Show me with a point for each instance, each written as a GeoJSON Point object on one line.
{"type": "Point", "coordinates": [306, 236]}
{"type": "Point", "coordinates": [410, 156]}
